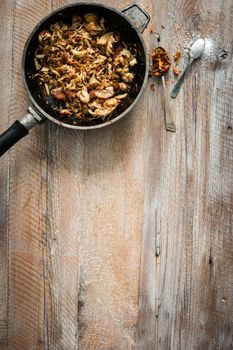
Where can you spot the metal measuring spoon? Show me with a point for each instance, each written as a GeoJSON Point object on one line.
{"type": "Point", "coordinates": [169, 119]}
{"type": "Point", "coordinates": [195, 52]}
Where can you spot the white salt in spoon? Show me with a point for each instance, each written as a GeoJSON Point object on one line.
{"type": "Point", "coordinates": [195, 52]}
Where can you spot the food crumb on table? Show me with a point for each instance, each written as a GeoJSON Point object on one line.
{"type": "Point", "coordinates": [176, 70]}
{"type": "Point", "coordinates": [177, 56]}
{"type": "Point", "coordinates": [152, 87]}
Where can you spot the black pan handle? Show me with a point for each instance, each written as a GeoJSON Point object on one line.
{"type": "Point", "coordinates": [18, 130]}
{"type": "Point", "coordinates": [13, 134]}
{"type": "Point", "coordinates": [137, 16]}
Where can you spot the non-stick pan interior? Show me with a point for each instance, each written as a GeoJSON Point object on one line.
{"type": "Point", "coordinates": [114, 22]}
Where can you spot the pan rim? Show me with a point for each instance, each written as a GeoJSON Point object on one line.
{"type": "Point", "coordinates": [84, 127]}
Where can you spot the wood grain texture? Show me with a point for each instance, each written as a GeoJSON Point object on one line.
{"type": "Point", "coordinates": [121, 238]}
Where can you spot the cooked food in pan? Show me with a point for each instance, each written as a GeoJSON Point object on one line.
{"type": "Point", "coordinates": [87, 69]}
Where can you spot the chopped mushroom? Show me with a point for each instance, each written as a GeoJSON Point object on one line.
{"type": "Point", "coordinates": [93, 28]}
{"type": "Point", "coordinates": [83, 95]}
{"type": "Point", "coordinates": [125, 53]}
{"type": "Point", "coordinates": [133, 62]}
{"type": "Point", "coordinates": [91, 17]}
{"type": "Point", "coordinates": [78, 53]}
{"type": "Point", "coordinates": [103, 39]}
{"type": "Point", "coordinates": [47, 89]}
{"type": "Point", "coordinates": [96, 104]}
{"type": "Point", "coordinates": [37, 65]}
{"type": "Point", "coordinates": [108, 40]}
{"type": "Point", "coordinates": [111, 102]}
{"type": "Point", "coordinates": [100, 59]}
{"type": "Point", "coordinates": [54, 72]}
{"type": "Point", "coordinates": [102, 112]}
{"type": "Point", "coordinates": [44, 69]}
{"type": "Point", "coordinates": [128, 77]}
{"type": "Point", "coordinates": [123, 86]}
{"type": "Point", "coordinates": [44, 35]}
{"type": "Point", "coordinates": [106, 93]}
{"type": "Point", "coordinates": [93, 81]}
{"type": "Point", "coordinates": [121, 97]}
{"type": "Point", "coordinates": [65, 112]}
{"type": "Point", "coordinates": [40, 56]}
{"type": "Point", "coordinates": [110, 43]}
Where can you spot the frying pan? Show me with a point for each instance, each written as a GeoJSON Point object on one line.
{"type": "Point", "coordinates": [130, 22]}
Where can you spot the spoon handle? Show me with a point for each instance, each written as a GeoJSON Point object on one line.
{"type": "Point", "coordinates": [169, 119]}
{"type": "Point", "coordinates": [179, 82]}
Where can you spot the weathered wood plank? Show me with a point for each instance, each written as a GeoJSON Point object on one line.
{"type": "Point", "coordinates": [64, 210]}
{"type": "Point", "coordinates": [6, 9]}
{"type": "Point", "coordinates": [186, 292]}
{"type": "Point", "coordinates": [27, 201]}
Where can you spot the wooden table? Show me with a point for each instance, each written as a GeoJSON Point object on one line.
{"type": "Point", "coordinates": [122, 238]}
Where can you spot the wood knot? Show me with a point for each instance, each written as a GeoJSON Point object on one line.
{"type": "Point", "coordinates": [80, 304]}
{"type": "Point", "coordinates": [222, 55]}
{"type": "Point", "coordinates": [229, 127]}
{"type": "Point", "coordinates": [196, 18]}
{"type": "Point", "coordinates": [210, 260]}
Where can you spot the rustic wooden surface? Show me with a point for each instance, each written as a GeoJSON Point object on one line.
{"type": "Point", "coordinates": [121, 238]}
